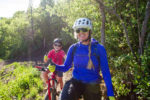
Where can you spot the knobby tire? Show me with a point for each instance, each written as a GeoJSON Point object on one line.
{"type": "Point", "coordinates": [52, 91]}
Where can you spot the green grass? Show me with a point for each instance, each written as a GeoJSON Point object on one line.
{"type": "Point", "coordinates": [1, 60]}
{"type": "Point", "coordinates": [19, 81]}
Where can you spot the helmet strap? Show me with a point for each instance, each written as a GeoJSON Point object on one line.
{"type": "Point", "coordinates": [89, 37]}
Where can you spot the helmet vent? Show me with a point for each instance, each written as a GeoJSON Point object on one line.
{"type": "Point", "coordinates": [87, 22]}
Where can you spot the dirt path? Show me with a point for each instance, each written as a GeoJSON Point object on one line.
{"type": "Point", "coordinates": [2, 63]}
{"type": "Point", "coordinates": [67, 76]}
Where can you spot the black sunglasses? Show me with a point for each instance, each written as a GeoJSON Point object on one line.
{"type": "Point", "coordinates": [58, 45]}
{"type": "Point", "coordinates": [82, 30]}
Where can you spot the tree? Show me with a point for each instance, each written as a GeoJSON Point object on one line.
{"type": "Point", "coordinates": [144, 28]}
{"type": "Point", "coordinates": [102, 10]}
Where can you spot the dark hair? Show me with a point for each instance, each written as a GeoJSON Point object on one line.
{"type": "Point", "coordinates": [57, 40]}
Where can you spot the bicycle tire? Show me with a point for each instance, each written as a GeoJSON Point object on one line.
{"type": "Point", "coordinates": [46, 96]}
{"type": "Point", "coordinates": [53, 92]}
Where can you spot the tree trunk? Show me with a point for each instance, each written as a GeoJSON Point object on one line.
{"type": "Point", "coordinates": [144, 27]}
{"type": "Point", "coordinates": [102, 10]}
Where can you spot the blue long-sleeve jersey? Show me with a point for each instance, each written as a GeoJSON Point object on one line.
{"type": "Point", "coordinates": [80, 59]}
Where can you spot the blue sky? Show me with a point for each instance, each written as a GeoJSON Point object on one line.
{"type": "Point", "coordinates": [9, 7]}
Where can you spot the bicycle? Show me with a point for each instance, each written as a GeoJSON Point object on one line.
{"type": "Point", "coordinates": [52, 84]}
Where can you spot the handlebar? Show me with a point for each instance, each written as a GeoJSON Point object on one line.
{"type": "Point", "coordinates": [42, 68]}
{"type": "Point", "coordinates": [45, 69]}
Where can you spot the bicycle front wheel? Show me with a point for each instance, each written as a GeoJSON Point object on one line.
{"type": "Point", "coordinates": [53, 92]}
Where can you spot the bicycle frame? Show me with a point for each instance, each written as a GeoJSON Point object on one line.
{"type": "Point", "coordinates": [51, 86]}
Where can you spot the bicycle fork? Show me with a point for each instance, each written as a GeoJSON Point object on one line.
{"type": "Point", "coordinates": [49, 91]}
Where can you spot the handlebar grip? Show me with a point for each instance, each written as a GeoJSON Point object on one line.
{"type": "Point", "coordinates": [41, 68]}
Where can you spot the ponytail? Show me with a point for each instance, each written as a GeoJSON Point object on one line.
{"type": "Point", "coordinates": [90, 63]}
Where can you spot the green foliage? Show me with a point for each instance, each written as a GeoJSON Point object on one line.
{"type": "Point", "coordinates": [13, 36]}
{"type": "Point", "coordinates": [127, 70]}
{"type": "Point", "coordinates": [19, 81]}
{"type": "Point", "coordinates": [121, 88]}
{"type": "Point", "coordinates": [44, 3]}
{"type": "Point", "coordinates": [70, 11]}
{"type": "Point", "coordinates": [142, 76]}
{"type": "Point", "coordinates": [1, 60]}
{"type": "Point", "coordinates": [17, 39]}
{"type": "Point", "coordinates": [122, 76]}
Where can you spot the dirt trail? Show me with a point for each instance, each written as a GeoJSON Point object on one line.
{"type": "Point", "coordinates": [67, 76]}
{"type": "Point", "coordinates": [2, 63]}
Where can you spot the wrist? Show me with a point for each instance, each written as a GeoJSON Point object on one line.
{"type": "Point", "coordinates": [111, 98]}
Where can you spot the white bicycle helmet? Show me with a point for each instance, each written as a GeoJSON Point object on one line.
{"type": "Point", "coordinates": [82, 23]}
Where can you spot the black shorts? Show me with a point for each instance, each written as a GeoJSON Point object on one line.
{"type": "Point", "coordinates": [59, 73]}
{"type": "Point", "coordinates": [74, 89]}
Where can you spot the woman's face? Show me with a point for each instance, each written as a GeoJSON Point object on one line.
{"type": "Point", "coordinates": [82, 34]}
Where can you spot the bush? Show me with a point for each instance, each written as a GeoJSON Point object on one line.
{"type": "Point", "coordinates": [127, 70]}
{"type": "Point", "coordinates": [24, 81]}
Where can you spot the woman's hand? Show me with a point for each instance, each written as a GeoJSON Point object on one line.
{"type": "Point", "coordinates": [111, 98]}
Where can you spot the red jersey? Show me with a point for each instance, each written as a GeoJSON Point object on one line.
{"type": "Point", "coordinates": [57, 57]}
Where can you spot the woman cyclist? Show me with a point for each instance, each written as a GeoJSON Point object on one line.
{"type": "Point", "coordinates": [88, 58]}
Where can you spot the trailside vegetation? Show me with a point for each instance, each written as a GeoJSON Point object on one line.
{"type": "Point", "coordinates": [20, 81]}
